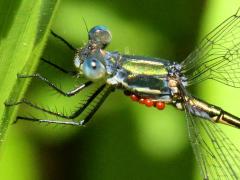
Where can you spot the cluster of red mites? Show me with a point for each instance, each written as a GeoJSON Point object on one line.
{"type": "Point", "coordinates": [148, 102]}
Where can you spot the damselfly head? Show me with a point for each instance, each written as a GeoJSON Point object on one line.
{"type": "Point", "coordinates": [92, 60]}
{"type": "Point", "coordinates": [100, 35]}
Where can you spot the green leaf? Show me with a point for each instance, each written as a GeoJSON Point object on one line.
{"type": "Point", "coordinates": [23, 32]}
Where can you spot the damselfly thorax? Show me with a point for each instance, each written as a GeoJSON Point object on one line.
{"type": "Point", "coordinates": [151, 80]}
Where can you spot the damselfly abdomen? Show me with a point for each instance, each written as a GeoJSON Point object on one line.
{"type": "Point", "coordinates": [156, 82]}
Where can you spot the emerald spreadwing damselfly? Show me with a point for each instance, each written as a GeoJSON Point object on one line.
{"type": "Point", "coordinates": [157, 82]}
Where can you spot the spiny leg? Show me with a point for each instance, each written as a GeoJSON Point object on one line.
{"type": "Point", "coordinates": [96, 107]}
{"type": "Point", "coordinates": [71, 47]}
{"type": "Point", "coordinates": [70, 93]}
{"type": "Point", "coordinates": [45, 80]}
{"type": "Point", "coordinates": [56, 66]}
{"type": "Point", "coordinates": [59, 68]}
{"type": "Point", "coordinates": [75, 114]}
{"type": "Point", "coordinates": [63, 40]}
{"type": "Point", "coordinates": [28, 103]}
{"type": "Point", "coordinates": [88, 102]}
{"type": "Point", "coordinates": [50, 121]}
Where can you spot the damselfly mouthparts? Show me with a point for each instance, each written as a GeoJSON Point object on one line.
{"type": "Point", "coordinates": [156, 82]}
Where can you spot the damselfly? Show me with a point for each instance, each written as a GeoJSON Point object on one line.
{"type": "Point", "coordinates": [156, 82]}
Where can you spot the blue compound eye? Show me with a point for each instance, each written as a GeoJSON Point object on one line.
{"type": "Point", "coordinates": [100, 35]}
{"type": "Point", "coordinates": [93, 69]}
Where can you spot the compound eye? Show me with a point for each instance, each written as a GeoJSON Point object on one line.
{"type": "Point", "coordinates": [100, 35]}
{"type": "Point", "coordinates": [93, 69]}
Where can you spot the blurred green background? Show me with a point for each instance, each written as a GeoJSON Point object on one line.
{"type": "Point", "coordinates": [124, 140]}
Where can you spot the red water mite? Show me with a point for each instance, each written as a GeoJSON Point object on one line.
{"type": "Point", "coordinates": [141, 101]}
{"type": "Point", "coordinates": [148, 102]}
{"type": "Point", "coordinates": [160, 105]}
{"type": "Point", "coordinates": [134, 97]}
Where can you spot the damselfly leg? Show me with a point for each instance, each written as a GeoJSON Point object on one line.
{"type": "Point", "coordinates": [75, 114]}
{"type": "Point", "coordinates": [67, 94]}
{"type": "Point", "coordinates": [71, 47]}
{"type": "Point", "coordinates": [59, 90]}
{"type": "Point", "coordinates": [58, 67]}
